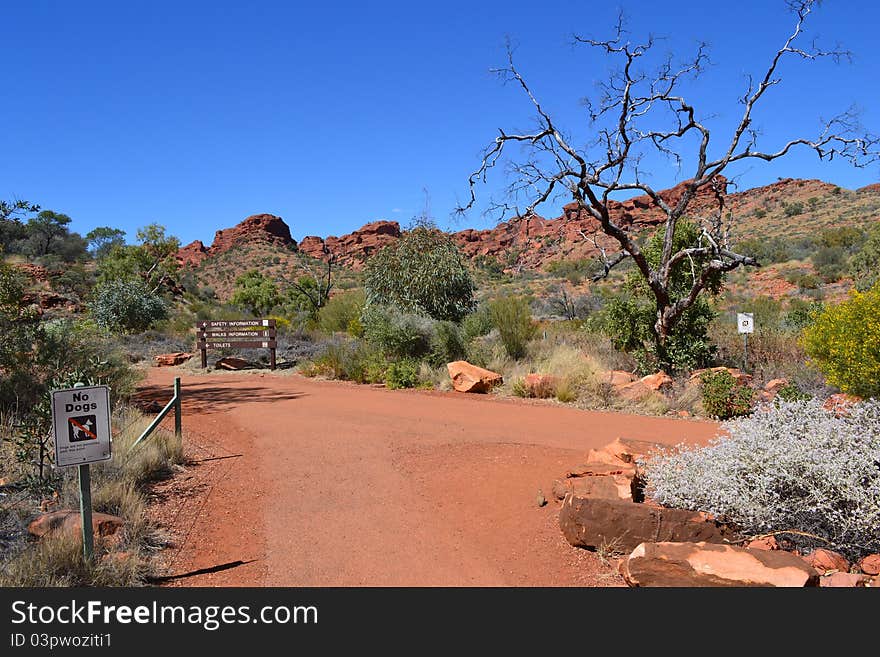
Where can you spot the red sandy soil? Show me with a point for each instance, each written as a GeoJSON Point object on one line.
{"type": "Point", "coordinates": [298, 482]}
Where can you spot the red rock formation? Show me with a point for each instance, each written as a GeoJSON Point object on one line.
{"type": "Point", "coordinates": [257, 227]}
{"type": "Point", "coordinates": [192, 254]}
{"type": "Point", "coordinates": [264, 227]}
{"type": "Point", "coordinates": [353, 249]}
{"type": "Point", "coordinates": [537, 240]}
{"type": "Point", "coordinates": [36, 272]}
{"type": "Point", "coordinates": [470, 378]}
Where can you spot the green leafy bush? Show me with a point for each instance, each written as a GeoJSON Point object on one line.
{"type": "Point", "coordinates": [127, 306]}
{"type": "Point", "coordinates": [402, 374]}
{"type": "Point", "coordinates": [629, 319]}
{"type": "Point", "coordinates": [793, 468]}
{"type": "Point", "coordinates": [793, 209]}
{"type": "Point", "coordinates": [723, 397]}
{"type": "Point", "coordinates": [864, 266]}
{"type": "Point", "coordinates": [256, 293]}
{"type": "Point", "coordinates": [423, 272]}
{"type": "Point", "coordinates": [477, 323]}
{"type": "Point", "coordinates": [397, 334]}
{"type": "Point", "coordinates": [447, 343]}
{"type": "Point", "coordinates": [791, 393]}
{"type": "Point", "coordinates": [342, 313]}
{"type": "Point", "coordinates": [830, 262]}
{"type": "Point", "coordinates": [513, 319]}
{"type": "Point", "coordinates": [844, 343]}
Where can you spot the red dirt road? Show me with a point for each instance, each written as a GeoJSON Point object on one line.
{"type": "Point", "coordinates": [319, 483]}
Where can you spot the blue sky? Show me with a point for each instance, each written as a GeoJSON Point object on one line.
{"type": "Point", "coordinates": [197, 114]}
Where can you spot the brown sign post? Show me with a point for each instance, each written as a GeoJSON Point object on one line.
{"type": "Point", "coordinates": [237, 333]}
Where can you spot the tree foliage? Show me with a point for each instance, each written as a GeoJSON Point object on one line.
{"type": "Point", "coordinates": [629, 319]}
{"type": "Point", "coordinates": [127, 306]}
{"type": "Point", "coordinates": [151, 260]}
{"type": "Point", "coordinates": [423, 272]}
{"type": "Point", "coordinates": [103, 239]}
{"type": "Point", "coordinates": [256, 293]}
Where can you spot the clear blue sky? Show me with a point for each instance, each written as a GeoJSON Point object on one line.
{"type": "Point", "coordinates": [333, 114]}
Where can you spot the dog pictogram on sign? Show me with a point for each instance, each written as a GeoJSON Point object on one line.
{"type": "Point", "coordinates": [82, 428]}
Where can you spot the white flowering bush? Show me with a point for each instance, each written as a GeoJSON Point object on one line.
{"type": "Point", "coordinates": [790, 466]}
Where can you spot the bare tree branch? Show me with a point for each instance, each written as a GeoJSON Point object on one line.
{"type": "Point", "coordinates": [638, 112]}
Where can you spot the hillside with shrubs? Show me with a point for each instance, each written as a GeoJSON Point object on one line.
{"type": "Point", "coordinates": [98, 308]}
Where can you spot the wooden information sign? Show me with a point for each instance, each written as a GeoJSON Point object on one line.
{"type": "Point", "coordinates": [237, 334]}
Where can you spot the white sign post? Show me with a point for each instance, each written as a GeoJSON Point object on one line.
{"type": "Point", "coordinates": [81, 424]}
{"type": "Point", "coordinates": [745, 324]}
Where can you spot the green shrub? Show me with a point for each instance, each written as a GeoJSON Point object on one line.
{"type": "Point", "coordinates": [629, 318]}
{"type": "Point", "coordinates": [256, 293]}
{"type": "Point", "coordinates": [804, 280]}
{"type": "Point", "coordinates": [398, 335]}
{"type": "Point", "coordinates": [513, 319]}
{"type": "Point", "coordinates": [478, 323]}
{"type": "Point", "coordinates": [793, 209]}
{"type": "Point", "coordinates": [801, 314]}
{"type": "Point", "coordinates": [791, 393]}
{"type": "Point", "coordinates": [792, 468]}
{"type": "Point", "coordinates": [844, 343]}
{"type": "Point", "coordinates": [566, 391]}
{"type": "Point", "coordinates": [447, 343]}
{"type": "Point", "coordinates": [723, 397]}
{"type": "Point", "coordinates": [423, 272]}
{"type": "Point", "coordinates": [342, 313]}
{"type": "Point", "coordinates": [402, 374]}
{"type": "Point", "coordinates": [127, 306]}
{"type": "Point", "coordinates": [830, 262]}
{"type": "Point", "coordinates": [864, 266]}
{"type": "Point", "coordinates": [575, 271]}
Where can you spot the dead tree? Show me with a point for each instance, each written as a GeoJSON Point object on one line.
{"type": "Point", "coordinates": [315, 288]}
{"type": "Point", "coordinates": [636, 113]}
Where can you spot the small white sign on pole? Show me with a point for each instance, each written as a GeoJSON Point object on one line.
{"type": "Point", "coordinates": [745, 322]}
{"type": "Point", "coordinates": [81, 423]}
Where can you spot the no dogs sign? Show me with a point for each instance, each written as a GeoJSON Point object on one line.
{"type": "Point", "coordinates": [81, 421]}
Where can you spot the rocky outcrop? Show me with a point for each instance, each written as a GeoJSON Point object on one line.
{"type": "Point", "coordinates": [353, 249]}
{"type": "Point", "coordinates": [470, 378]}
{"type": "Point", "coordinates": [262, 227]}
{"type": "Point", "coordinates": [170, 360]}
{"type": "Point", "coordinates": [870, 565]}
{"type": "Point", "coordinates": [540, 385]}
{"type": "Point", "coordinates": [69, 522]}
{"type": "Point", "coordinates": [192, 254]}
{"type": "Point", "coordinates": [659, 382]}
{"type": "Point", "coordinates": [49, 301]}
{"type": "Point", "coordinates": [676, 564]}
{"type": "Point", "coordinates": [838, 580]}
{"type": "Point", "coordinates": [36, 272]}
{"type": "Point", "coordinates": [256, 228]}
{"type": "Point", "coordinates": [824, 560]}
{"type": "Point", "coordinates": [536, 240]}
{"type": "Point", "coordinates": [593, 523]}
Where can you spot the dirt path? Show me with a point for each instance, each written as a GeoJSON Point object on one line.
{"type": "Point", "coordinates": [318, 483]}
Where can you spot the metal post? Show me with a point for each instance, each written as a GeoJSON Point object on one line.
{"type": "Point", "coordinates": [85, 511]}
{"type": "Point", "coordinates": [178, 410]}
{"type": "Point", "coordinates": [272, 357]}
{"type": "Point", "coordinates": [745, 350]}
{"type": "Point", "coordinates": [85, 505]}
